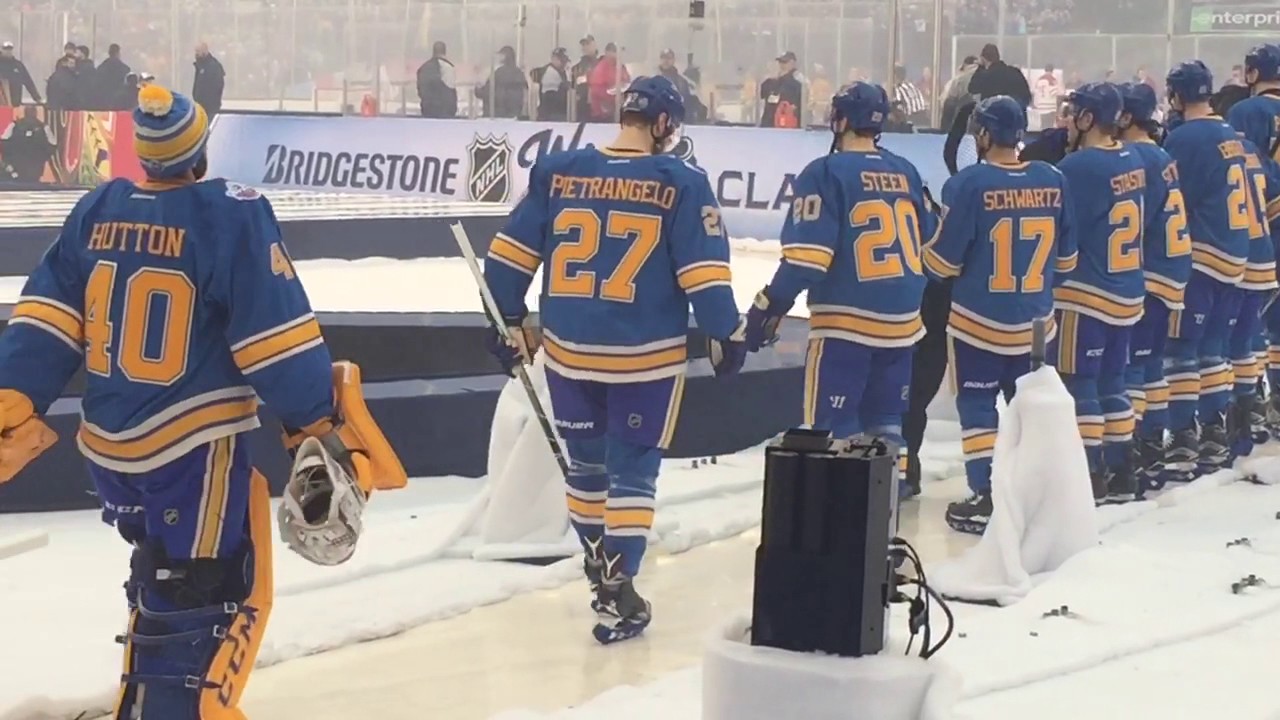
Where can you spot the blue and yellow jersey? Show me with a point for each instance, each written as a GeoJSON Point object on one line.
{"type": "Point", "coordinates": [853, 239]}
{"type": "Point", "coordinates": [183, 305]}
{"type": "Point", "coordinates": [1006, 235]}
{"type": "Point", "coordinates": [627, 241]}
{"type": "Point", "coordinates": [1166, 243]}
{"type": "Point", "coordinates": [1260, 266]}
{"type": "Point", "coordinates": [1107, 185]}
{"type": "Point", "coordinates": [1257, 119]}
{"type": "Point", "coordinates": [1215, 186]}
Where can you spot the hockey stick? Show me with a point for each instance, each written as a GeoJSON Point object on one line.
{"type": "Point", "coordinates": [491, 308]}
{"type": "Point", "coordinates": [22, 543]}
{"type": "Point", "coordinates": [1038, 332]}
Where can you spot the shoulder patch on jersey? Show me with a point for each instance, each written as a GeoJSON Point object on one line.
{"type": "Point", "coordinates": [245, 193]}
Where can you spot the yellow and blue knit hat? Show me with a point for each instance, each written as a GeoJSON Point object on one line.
{"type": "Point", "coordinates": [169, 132]}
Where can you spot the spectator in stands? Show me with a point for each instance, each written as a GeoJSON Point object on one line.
{"type": "Point", "coordinates": [86, 81]}
{"type": "Point", "coordinates": [14, 78]}
{"type": "Point", "coordinates": [581, 76]}
{"type": "Point", "coordinates": [210, 81]}
{"type": "Point", "coordinates": [1237, 75]}
{"type": "Point", "coordinates": [63, 87]}
{"type": "Point", "coordinates": [607, 77]}
{"type": "Point", "coordinates": [503, 94]}
{"type": "Point", "coordinates": [694, 111]}
{"type": "Point", "coordinates": [437, 85]}
{"type": "Point", "coordinates": [1145, 78]}
{"type": "Point", "coordinates": [553, 83]}
{"type": "Point", "coordinates": [783, 95]}
{"type": "Point", "coordinates": [925, 84]}
{"type": "Point", "coordinates": [112, 82]}
{"type": "Point", "coordinates": [994, 77]}
{"type": "Point", "coordinates": [957, 92]}
{"type": "Point", "coordinates": [908, 99]}
{"type": "Point", "coordinates": [820, 94]}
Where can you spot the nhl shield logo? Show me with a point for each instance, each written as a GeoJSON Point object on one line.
{"type": "Point", "coordinates": [490, 177]}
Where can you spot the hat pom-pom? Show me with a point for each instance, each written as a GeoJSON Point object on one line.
{"type": "Point", "coordinates": [155, 100]}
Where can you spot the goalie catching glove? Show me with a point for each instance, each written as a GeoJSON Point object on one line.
{"type": "Point", "coordinates": [23, 435]}
{"type": "Point", "coordinates": [337, 464]}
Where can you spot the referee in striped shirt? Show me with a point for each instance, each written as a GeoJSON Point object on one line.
{"type": "Point", "coordinates": [909, 98]}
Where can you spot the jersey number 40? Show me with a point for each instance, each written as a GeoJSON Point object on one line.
{"type": "Point", "coordinates": [176, 295]}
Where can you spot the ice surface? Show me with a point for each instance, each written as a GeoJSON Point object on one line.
{"type": "Point", "coordinates": [1153, 629]}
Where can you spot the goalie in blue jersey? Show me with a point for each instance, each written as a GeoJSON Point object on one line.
{"type": "Point", "coordinates": [852, 239]}
{"type": "Point", "coordinates": [627, 238]}
{"type": "Point", "coordinates": [180, 301]}
{"type": "Point", "coordinates": [1006, 238]}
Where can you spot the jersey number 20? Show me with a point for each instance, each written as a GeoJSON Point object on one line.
{"type": "Point", "coordinates": [139, 316]}
{"type": "Point", "coordinates": [897, 223]}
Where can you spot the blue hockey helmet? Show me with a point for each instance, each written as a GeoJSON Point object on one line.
{"type": "Point", "coordinates": [1100, 99]}
{"type": "Point", "coordinates": [651, 97]}
{"type": "Point", "coordinates": [1189, 81]}
{"type": "Point", "coordinates": [864, 105]}
{"type": "Point", "coordinates": [1139, 101]}
{"type": "Point", "coordinates": [1002, 118]}
{"type": "Point", "coordinates": [1264, 60]}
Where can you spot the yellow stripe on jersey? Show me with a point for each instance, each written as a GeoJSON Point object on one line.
{"type": "Point", "coordinates": [1213, 263]}
{"type": "Point", "coordinates": [702, 275]}
{"type": "Point", "coordinates": [213, 499]}
{"type": "Point", "coordinates": [1259, 276]}
{"type": "Point", "coordinates": [812, 364]}
{"type": "Point", "coordinates": [1215, 380]}
{"type": "Point", "coordinates": [1169, 292]}
{"type": "Point", "coordinates": [1090, 301]}
{"type": "Point", "coordinates": [979, 331]}
{"type": "Point", "coordinates": [938, 265]}
{"type": "Point", "coordinates": [979, 443]}
{"type": "Point", "coordinates": [280, 342]}
{"type": "Point", "coordinates": [815, 257]}
{"type": "Point", "coordinates": [178, 432]}
{"type": "Point", "coordinates": [1066, 264]}
{"type": "Point", "coordinates": [616, 364]}
{"type": "Point", "coordinates": [518, 256]}
{"type": "Point", "coordinates": [1090, 429]}
{"type": "Point", "coordinates": [53, 317]}
{"type": "Point", "coordinates": [884, 331]}
{"type": "Point", "coordinates": [1066, 363]}
{"type": "Point", "coordinates": [673, 413]}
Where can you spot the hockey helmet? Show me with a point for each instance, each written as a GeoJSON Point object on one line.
{"type": "Point", "coordinates": [1264, 60]}
{"type": "Point", "coordinates": [864, 105]}
{"type": "Point", "coordinates": [651, 97]}
{"type": "Point", "coordinates": [1002, 118]}
{"type": "Point", "coordinates": [1100, 99]}
{"type": "Point", "coordinates": [1139, 101]}
{"type": "Point", "coordinates": [1189, 81]}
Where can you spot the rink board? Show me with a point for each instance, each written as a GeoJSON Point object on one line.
{"type": "Point", "coordinates": [314, 225]}
{"type": "Point", "coordinates": [433, 389]}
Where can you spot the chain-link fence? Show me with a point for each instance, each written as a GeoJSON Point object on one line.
{"type": "Point", "coordinates": [329, 54]}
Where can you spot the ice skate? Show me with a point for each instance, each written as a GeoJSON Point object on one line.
{"type": "Point", "coordinates": [1273, 415]}
{"type": "Point", "coordinates": [1149, 464]}
{"type": "Point", "coordinates": [1122, 484]}
{"type": "Point", "coordinates": [631, 611]}
{"type": "Point", "coordinates": [1180, 456]}
{"type": "Point", "coordinates": [1099, 479]}
{"type": "Point", "coordinates": [1215, 447]}
{"type": "Point", "coordinates": [972, 514]}
{"type": "Point", "coordinates": [593, 568]}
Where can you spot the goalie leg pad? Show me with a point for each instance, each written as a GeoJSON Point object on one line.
{"type": "Point", "coordinates": [197, 623]}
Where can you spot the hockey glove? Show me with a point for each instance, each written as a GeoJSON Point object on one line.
{"type": "Point", "coordinates": [23, 435]}
{"type": "Point", "coordinates": [728, 355]}
{"type": "Point", "coordinates": [763, 319]}
{"type": "Point", "coordinates": [515, 349]}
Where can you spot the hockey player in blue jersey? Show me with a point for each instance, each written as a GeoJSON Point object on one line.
{"type": "Point", "coordinates": [1257, 118]}
{"type": "Point", "coordinates": [180, 301]}
{"type": "Point", "coordinates": [853, 239]}
{"type": "Point", "coordinates": [1006, 234]}
{"type": "Point", "coordinates": [628, 238]}
{"type": "Point", "coordinates": [1218, 194]}
{"type": "Point", "coordinates": [1098, 303]}
{"type": "Point", "coordinates": [1166, 265]}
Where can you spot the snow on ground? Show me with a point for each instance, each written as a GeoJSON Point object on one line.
{"type": "Point", "coordinates": [1154, 628]}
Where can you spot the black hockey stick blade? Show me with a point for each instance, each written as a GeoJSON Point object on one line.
{"type": "Point", "coordinates": [1038, 332]}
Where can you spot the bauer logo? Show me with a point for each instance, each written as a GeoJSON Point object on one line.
{"type": "Point", "coordinates": [424, 174]}
{"type": "Point", "coordinates": [489, 179]}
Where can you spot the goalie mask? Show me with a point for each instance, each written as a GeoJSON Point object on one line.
{"type": "Point", "coordinates": [319, 516]}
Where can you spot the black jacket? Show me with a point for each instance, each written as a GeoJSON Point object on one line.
{"type": "Point", "coordinates": [209, 83]}
{"type": "Point", "coordinates": [1050, 147]}
{"type": "Point", "coordinates": [508, 88]}
{"type": "Point", "coordinates": [437, 89]}
{"type": "Point", "coordinates": [1000, 79]}
{"type": "Point", "coordinates": [580, 73]}
{"type": "Point", "coordinates": [694, 111]}
{"type": "Point", "coordinates": [63, 88]}
{"type": "Point", "coordinates": [16, 79]}
{"type": "Point", "coordinates": [553, 92]}
{"type": "Point", "coordinates": [112, 86]}
{"type": "Point", "coordinates": [777, 90]}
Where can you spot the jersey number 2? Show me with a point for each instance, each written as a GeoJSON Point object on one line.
{"type": "Point", "coordinates": [564, 281]}
{"type": "Point", "coordinates": [151, 296]}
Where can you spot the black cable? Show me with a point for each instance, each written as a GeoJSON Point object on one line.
{"type": "Point", "coordinates": [921, 606]}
